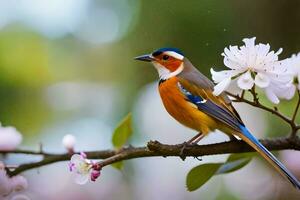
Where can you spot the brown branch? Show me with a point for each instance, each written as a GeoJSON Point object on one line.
{"type": "Point", "coordinates": [263, 107]}
{"type": "Point", "coordinates": [297, 107]}
{"type": "Point", "coordinates": [157, 149]}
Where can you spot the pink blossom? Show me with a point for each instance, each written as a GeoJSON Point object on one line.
{"type": "Point", "coordinates": [95, 174]}
{"type": "Point", "coordinates": [83, 155]}
{"type": "Point", "coordinates": [83, 168]}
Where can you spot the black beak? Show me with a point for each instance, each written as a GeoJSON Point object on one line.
{"type": "Point", "coordinates": [146, 58]}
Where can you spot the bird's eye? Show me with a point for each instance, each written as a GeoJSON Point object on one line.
{"type": "Point", "coordinates": [165, 57]}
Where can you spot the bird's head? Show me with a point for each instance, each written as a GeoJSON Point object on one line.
{"type": "Point", "coordinates": [167, 61]}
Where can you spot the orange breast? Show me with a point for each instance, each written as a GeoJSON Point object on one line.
{"type": "Point", "coordinates": [183, 111]}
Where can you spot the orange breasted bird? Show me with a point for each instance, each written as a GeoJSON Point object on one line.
{"type": "Point", "coordinates": [188, 97]}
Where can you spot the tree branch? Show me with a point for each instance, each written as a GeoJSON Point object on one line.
{"type": "Point", "coordinates": [263, 107]}
{"type": "Point", "coordinates": [155, 148]}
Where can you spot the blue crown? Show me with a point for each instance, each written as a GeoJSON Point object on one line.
{"type": "Point", "coordinates": [161, 50]}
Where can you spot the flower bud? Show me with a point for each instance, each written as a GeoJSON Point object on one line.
{"type": "Point", "coordinates": [68, 142]}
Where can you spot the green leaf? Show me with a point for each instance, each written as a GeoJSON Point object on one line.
{"type": "Point", "coordinates": [122, 132]}
{"type": "Point", "coordinates": [234, 163]}
{"type": "Point", "coordinates": [200, 175]}
{"type": "Point", "coordinates": [118, 165]}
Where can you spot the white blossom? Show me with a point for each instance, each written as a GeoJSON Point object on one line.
{"type": "Point", "coordinates": [20, 197]}
{"type": "Point", "coordinates": [81, 168]}
{"type": "Point", "coordinates": [8, 185]}
{"type": "Point", "coordinates": [18, 183]}
{"type": "Point", "coordinates": [5, 184]}
{"type": "Point", "coordinates": [293, 64]}
{"type": "Point", "coordinates": [10, 138]}
{"type": "Point", "coordinates": [69, 141]}
{"type": "Point", "coordinates": [254, 65]}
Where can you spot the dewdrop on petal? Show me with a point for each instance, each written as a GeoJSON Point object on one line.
{"type": "Point", "coordinates": [68, 142]}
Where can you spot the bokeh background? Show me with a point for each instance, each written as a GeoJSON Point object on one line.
{"type": "Point", "coordinates": [66, 67]}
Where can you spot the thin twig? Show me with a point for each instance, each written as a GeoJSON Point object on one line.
{"type": "Point", "coordinates": [243, 94]}
{"type": "Point", "coordinates": [254, 94]}
{"type": "Point", "coordinates": [259, 105]}
{"type": "Point", "coordinates": [297, 107]}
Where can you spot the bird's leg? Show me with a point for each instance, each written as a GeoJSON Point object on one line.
{"type": "Point", "coordinates": [193, 140]}
{"type": "Point", "coordinates": [197, 139]}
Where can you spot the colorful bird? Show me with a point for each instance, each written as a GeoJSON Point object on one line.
{"type": "Point", "coordinates": [188, 97]}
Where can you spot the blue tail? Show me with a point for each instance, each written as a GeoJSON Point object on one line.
{"type": "Point", "coordinates": [254, 143]}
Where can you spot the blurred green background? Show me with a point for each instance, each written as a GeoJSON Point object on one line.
{"type": "Point", "coordinates": [63, 61]}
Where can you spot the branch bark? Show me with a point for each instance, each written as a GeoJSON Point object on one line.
{"type": "Point", "coordinates": [156, 149]}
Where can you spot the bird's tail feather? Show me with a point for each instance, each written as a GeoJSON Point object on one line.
{"type": "Point", "coordinates": [265, 153]}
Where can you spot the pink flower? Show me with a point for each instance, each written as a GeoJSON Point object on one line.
{"type": "Point", "coordinates": [95, 174]}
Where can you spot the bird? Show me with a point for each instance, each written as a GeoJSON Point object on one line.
{"type": "Point", "coordinates": [188, 96]}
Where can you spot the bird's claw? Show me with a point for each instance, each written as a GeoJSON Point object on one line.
{"type": "Point", "coordinates": [181, 154]}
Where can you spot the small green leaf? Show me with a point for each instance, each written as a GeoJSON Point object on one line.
{"type": "Point", "coordinates": [118, 165]}
{"type": "Point", "coordinates": [237, 156]}
{"type": "Point", "coordinates": [235, 162]}
{"type": "Point", "coordinates": [122, 132]}
{"type": "Point", "coordinates": [200, 175]}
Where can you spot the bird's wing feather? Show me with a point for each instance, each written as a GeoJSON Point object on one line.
{"type": "Point", "coordinates": [195, 77]}
{"type": "Point", "coordinates": [212, 105]}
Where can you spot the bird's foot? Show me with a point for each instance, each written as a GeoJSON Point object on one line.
{"type": "Point", "coordinates": [198, 158]}
{"type": "Point", "coordinates": [181, 154]}
{"type": "Point", "coordinates": [184, 145]}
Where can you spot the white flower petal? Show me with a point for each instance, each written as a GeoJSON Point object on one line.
{"type": "Point", "coordinates": [220, 76]}
{"type": "Point", "coordinates": [249, 42]}
{"type": "Point", "coordinates": [245, 81]}
{"type": "Point", "coordinates": [286, 92]}
{"type": "Point", "coordinates": [271, 95]}
{"type": "Point", "coordinates": [81, 179]}
{"type": "Point", "coordinates": [20, 197]}
{"type": "Point", "coordinates": [19, 183]}
{"type": "Point", "coordinates": [233, 87]}
{"type": "Point", "coordinates": [290, 92]}
{"type": "Point", "coordinates": [76, 158]}
{"type": "Point", "coordinates": [279, 51]}
{"type": "Point", "coordinates": [298, 85]}
{"type": "Point", "coordinates": [5, 184]}
{"type": "Point", "coordinates": [261, 80]}
{"type": "Point", "coordinates": [222, 86]}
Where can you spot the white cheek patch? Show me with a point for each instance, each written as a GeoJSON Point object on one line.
{"type": "Point", "coordinates": [174, 55]}
{"type": "Point", "coordinates": [164, 73]}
